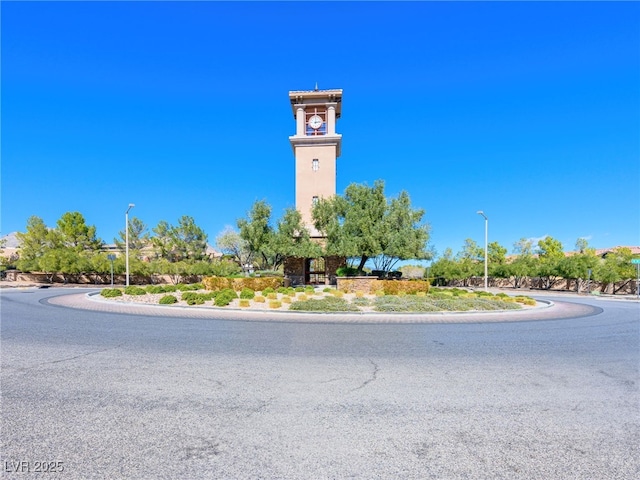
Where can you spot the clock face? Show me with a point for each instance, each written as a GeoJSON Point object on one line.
{"type": "Point", "coordinates": [315, 122]}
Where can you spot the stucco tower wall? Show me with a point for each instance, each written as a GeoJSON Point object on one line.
{"type": "Point", "coordinates": [319, 182]}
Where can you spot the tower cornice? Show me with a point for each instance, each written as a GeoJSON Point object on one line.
{"type": "Point", "coordinates": [307, 140]}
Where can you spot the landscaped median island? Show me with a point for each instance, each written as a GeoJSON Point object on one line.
{"type": "Point", "coordinates": [319, 299]}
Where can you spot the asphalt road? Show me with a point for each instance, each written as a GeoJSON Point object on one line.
{"type": "Point", "coordinates": [108, 396]}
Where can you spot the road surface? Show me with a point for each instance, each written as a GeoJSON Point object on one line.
{"type": "Point", "coordinates": [93, 394]}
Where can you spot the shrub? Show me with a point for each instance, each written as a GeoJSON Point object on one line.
{"type": "Point", "coordinates": [111, 292]}
{"type": "Point", "coordinates": [379, 293]}
{"type": "Point", "coordinates": [302, 297]}
{"type": "Point", "coordinates": [482, 293]}
{"type": "Point", "coordinates": [155, 289]}
{"type": "Point", "coordinates": [282, 290]}
{"type": "Point", "coordinates": [286, 299]}
{"type": "Point", "coordinates": [338, 293]}
{"type": "Point", "coordinates": [347, 272]}
{"type": "Point", "coordinates": [222, 300]}
{"type": "Point", "coordinates": [259, 299]}
{"type": "Point", "coordinates": [272, 296]}
{"type": "Point", "coordinates": [391, 303]}
{"type": "Point", "coordinates": [244, 302]}
{"type": "Point", "coordinates": [193, 298]}
{"type": "Point", "coordinates": [359, 294]}
{"type": "Point", "coordinates": [275, 304]}
{"type": "Point", "coordinates": [361, 302]}
{"type": "Point", "coordinates": [299, 289]}
{"type": "Point", "coordinates": [525, 300]}
{"type": "Point", "coordinates": [223, 267]}
{"type": "Point", "coordinates": [310, 290]}
{"type": "Point", "coordinates": [134, 290]}
{"type": "Point", "coordinates": [268, 290]}
{"type": "Point", "coordinates": [326, 290]}
{"type": "Point", "coordinates": [247, 294]}
{"type": "Point", "coordinates": [186, 296]}
{"type": "Point", "coordinates": [168, 300]}
{"type": "Point", "coordinates": [229, 292]}
{"type": "Point", "coordinates": [326, 304]}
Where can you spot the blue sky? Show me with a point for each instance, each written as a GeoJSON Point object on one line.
{"type": "Point", "coordinates": [528, 111]}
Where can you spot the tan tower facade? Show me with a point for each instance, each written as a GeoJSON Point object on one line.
{"type": "Point", "coordinates": [316, 147]}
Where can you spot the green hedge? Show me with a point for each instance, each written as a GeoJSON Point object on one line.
{"type": "Point", "coordinates": [237, 284]}
{"type": "Point", "coordinates": [327, 304]}
{"type": "Point", "coordinates": [134, 290]}
{"type": "Point", "coordinates": [111, 292]}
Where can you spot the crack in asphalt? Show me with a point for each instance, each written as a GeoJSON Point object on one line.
{"type": "Point", "coordinates": [68, 359]}
{"type": "Point", "coordinates": [374, 376]}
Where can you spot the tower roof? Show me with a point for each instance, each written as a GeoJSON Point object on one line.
{"type": "Point", "coordinates": [316, 97]}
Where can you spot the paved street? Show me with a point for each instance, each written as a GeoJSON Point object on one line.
{"type": "Point", "coordinates": [119, 395]}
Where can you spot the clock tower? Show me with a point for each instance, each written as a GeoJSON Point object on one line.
{"type": "Point", "coordinates": [316, 146]}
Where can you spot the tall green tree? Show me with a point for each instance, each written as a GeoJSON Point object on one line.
{"type": "Point", "coordinates": [138, 237]}
{"type": "Point", "coordinates": [257, 232]}
{"type": "Point", "coordinates": [582, 244]}
{"type": "Point", "coordinates": [189, 239]}
{"type": "Point", "coordinates": [497, 260]}
{"type": "Point", "coordinates": [231, 243]}
{"type": "Point", "coordinates": [268, 246]}
{"type": "Point", "coordinates": [75, 233]}
{"type": "Point", "coordinates": [497, 254]}
{"type": "Point", "coordinates": [162, 241]}
{"type": "Point", "coordinates": [364, 224]}
{"type": "Point", "coordinates": [444, 267]}
{"type": "Point", "coordinates": [550, 255]}
{"type": "Point", "coordinates": [469, 261]}
{"type": "Point", "coordinates": [615, 268]}
{"type": "Point", "coordinates": [185, 241]}
{"type": "Point", "coordinates": [354, 222]}
{"type": "Point", "coordinates": [523, 265]}
{"type": "Point", "coordinates": [292, 239]}
{"type": "Point", "coordinates": [578, 267]}
{"type": "Point", "coordinates": [404, 237]}
{"type": "Point", "coordinates": [34, 243]}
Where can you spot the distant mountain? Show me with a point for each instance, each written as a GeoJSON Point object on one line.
{"type": "Point", "coordinates": [11, 240]}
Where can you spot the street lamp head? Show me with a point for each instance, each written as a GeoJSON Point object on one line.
{"type": "Point", "coordinates": [480, 212]}
{"type": "Point", "coordinates": [131, 205]}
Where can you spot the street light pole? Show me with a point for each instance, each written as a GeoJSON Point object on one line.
{"type": "Point", "coordinates": [486, 249]}
{"type": "Point", "coordinates": [126, 241]}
